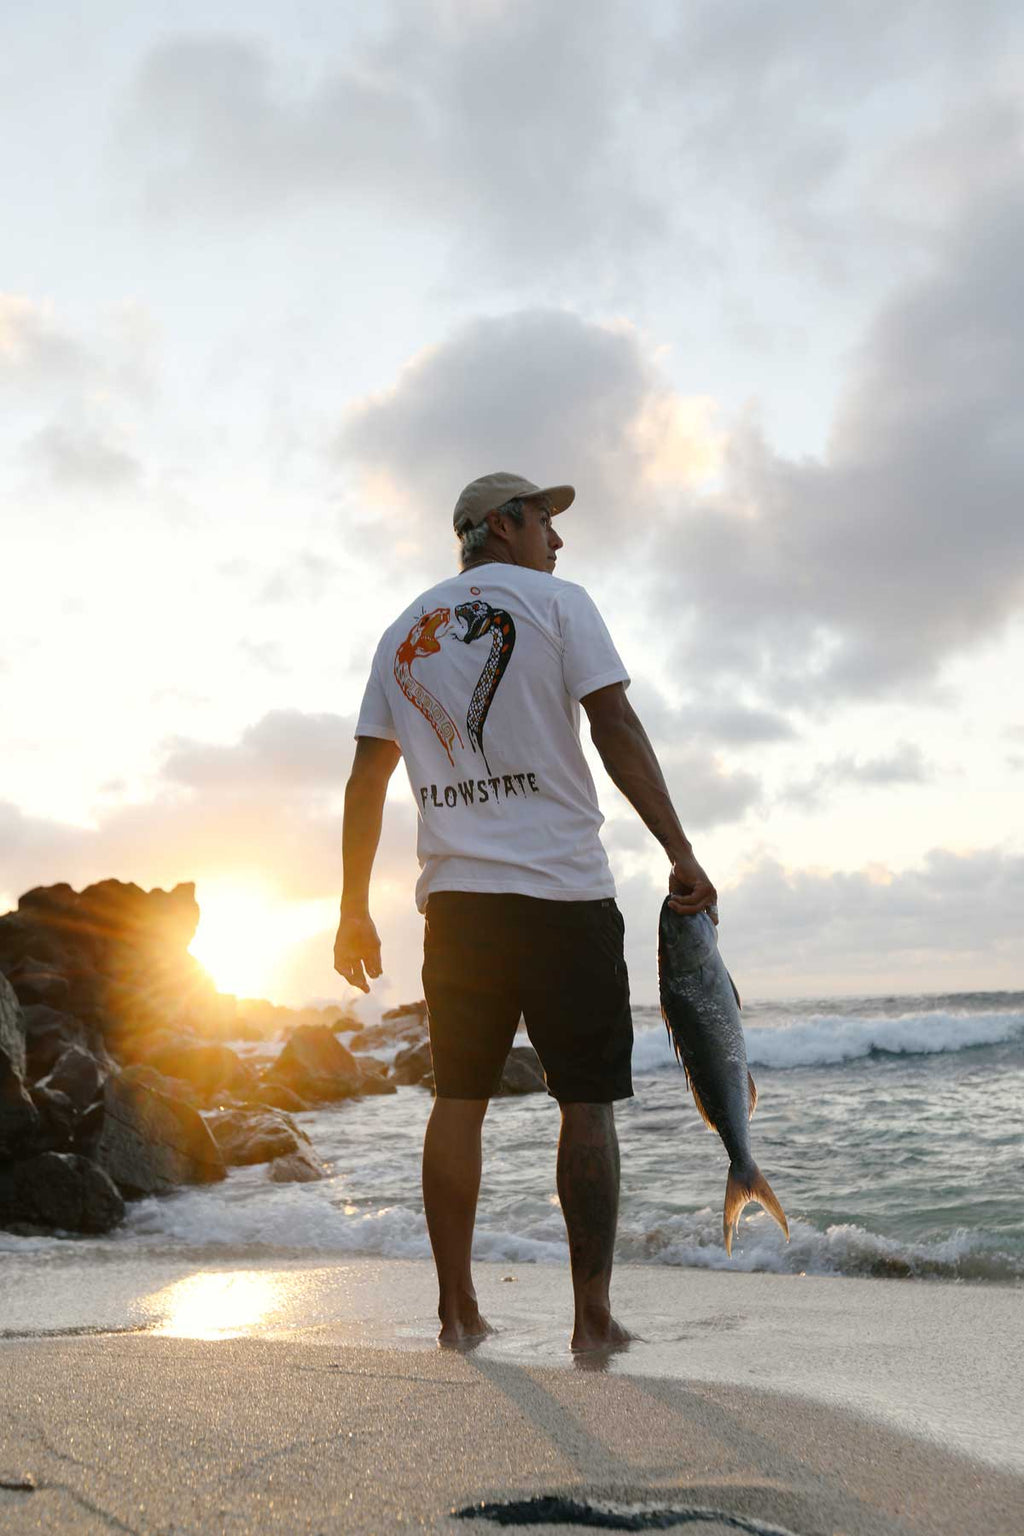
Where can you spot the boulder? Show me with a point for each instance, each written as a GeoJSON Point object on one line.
{"type": "Point", "coordinates": [278, 1097]}
{"type": "Point", "coordinates": [150, 1142]}
{"type": "Point", "coordinates": [414, 1065]}
{"type": "Point", "coordinates": [48, 1033]}
{"type": "Point", "coordinates": [213, 1069]}
{"type": "Point", "coordinates": [314, 1064]}
{"type": "Point", "coordinates": [522, 1073]}
{"type": "Point", "coordinates": [409, 1023]}
{"type": "Point", "coordinates": [12, 1030]}
{"type": "Point", "coordinates": [19, 1117]}
{"type": "Point", "coordinates": [375, 1077]}
{"type": "Point", "coordinates": [60, 1189]}
{"type": "Point", "coordinates": [247, 1136]}
{"type": "Point", "coordinates": [56, 1123]}
{"type": "Point", "coordinates": [170, 1087]}
{"type": "Point", "coordinates": [36, 981]}
{"type": "Point", "coordinates": [300, 1167]}
{"type": "Point", "coordinates": [78, 1075]}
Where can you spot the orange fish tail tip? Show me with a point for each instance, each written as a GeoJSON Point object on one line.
{"type": "Point", "coordinates": [739, 1191]}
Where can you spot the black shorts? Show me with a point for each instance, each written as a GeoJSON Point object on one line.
{"type": "Point", "coordinates": [489, 958]}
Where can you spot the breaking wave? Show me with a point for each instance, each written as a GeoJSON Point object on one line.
{"type": "Point", "coordinates": [820, 1040]}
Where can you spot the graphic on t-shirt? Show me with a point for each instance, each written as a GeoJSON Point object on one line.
{"type": "Point", "coordinates": [481, 619]}
{"type": "Point", "coordinates": [422, 641]}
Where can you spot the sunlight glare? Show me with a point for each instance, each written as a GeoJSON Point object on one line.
{"type": "Point", "coordinates": [244, 932]}
{"type": "Point", "coordinates": [214, 1306]}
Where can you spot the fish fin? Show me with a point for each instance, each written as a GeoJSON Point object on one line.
{"type": "Point", "coordinates": [674, 1042]}
{"type": "Point", "coordinates": [739, 1191]}
{"type": "Point", "coordinates": [752, 1091]}
{"type": "Point", "coordinates": [698, 1100]}
{"type": "Point", "coordinates": [735, 992]}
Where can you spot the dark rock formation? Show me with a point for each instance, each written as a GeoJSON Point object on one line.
{"type": "Point", "coordinates": [59, 1189]}
{"type": "Point", "coordinates": [414, 1065]}
{"type": "Point", "coordinates": [48, 1033]}
{"type": "Point", "coordinates": [78, 1075]}
{"type": "Point", "coordinates": [212, 1069]}
{"type": "Point", "coordinates": [249, 1135]}
{"type": "Point", "coordinates": [19, 1117]}
{"type": "Point", "coordinates": [278, 1097]}
{"type": "Point", "coordinates": [55, 1128]}
{"type": "Point", "coordinates": [314, 1064]}
{"type": "Point", "coordinates": [149, 1143]}
{"type": "Point", "coordinates": [522, 1073]}
{"type": "Point", "coordinates": [297, 1168]}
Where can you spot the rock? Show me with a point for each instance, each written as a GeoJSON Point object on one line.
{"type": "Point", "coordinates": [316, 1065]}
{"type": "Point", "coordinates": [297, 1168]}
{"type": "Point", "coordinates": [170, 1087]}
{"type": "Point", "coordinates": [12, 1030]}
{"type": "Point", "coordinates": [19, 1118]}
{"type": "Point", "coordinates": [414, 1065]}
{"type": "Point", "coordinates": [60, 1189]}
{"type": "Point", "coordinates": [405, 1011]}
{"type": "Point", "coordinates": [522, 1073]}
{"type": "Point", "coordinates": [35, 981]}
{"type": "Point", "coordinates": [78, 1075]}
{"type": "Point", "coordinates": [410, 1022]}
{"type": "Point", "coordinates": [375, 1077]}
{"type": "Point", "coordinates": [150, 1142]}
{"type": "Point", "coordinates": [247, 1136]}
{"type": "Point", "coordinates": [278, 1097]}
{"type": "Point", "coordinates": [213, 1069]}
{"type": "Point", "coordinates": [56, 1123]}
{"type": "Point", "coordinates": [48, 1033]}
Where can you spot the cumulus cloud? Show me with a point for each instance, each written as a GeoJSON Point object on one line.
{"type": "Point", "coordinates": [863, 572]}
{"type": "Point", "coordinates": [284, 748]}
{"type": "Point", "coordinates": [905, 764]}
{"type": "Point", "coordinates": [541, 392]}
{"type": "Point", "coordinates": [34, 349]}
{"type": "Point", "coordinates": [82, 458]}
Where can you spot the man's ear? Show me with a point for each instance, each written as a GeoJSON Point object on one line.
{"type": "Point", "coordinates": [498, 526]}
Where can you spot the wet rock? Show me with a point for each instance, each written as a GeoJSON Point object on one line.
{"type": "Point", "coordinates": [522, 1073]}
{"type": "Point", "coordinates": [60, 1189]}
{"type": "Point", "coordinates": [414, 1065]}
{"type": "Point", "coordinates": [150, 1142]}
{"type": "Point", "coordinates": [314, 1064]}
{"type": "Point", "coordinates": [212, 1069]}
{"type": "Point", "coordinates": [159, 1082]}
{"type": "Point", "coordinates": [297, 1168]}
{"type": "Point", "coordinates": [247, 1136]}
{"type": "Point", "coordinates": [375, 1077]}
{"type": "Point", "coordinates": [78, 1075]}
{"type": "Point", "coordinates": [409, 1023]}
{"type": "Point", "coordinates": [278, 1096]}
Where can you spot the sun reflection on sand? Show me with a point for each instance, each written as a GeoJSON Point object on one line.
{"type": "Point", "coordinates": [217, 1306]}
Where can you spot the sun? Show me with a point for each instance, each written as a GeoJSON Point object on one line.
{"type": "Point", "coordinates": [245, 931]}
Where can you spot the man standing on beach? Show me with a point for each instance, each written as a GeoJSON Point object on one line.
{"type": "Point", "coordinates": [477, 685]}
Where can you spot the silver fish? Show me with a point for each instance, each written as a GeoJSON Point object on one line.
{"type": "Point", "coordinates": [701, 1009]}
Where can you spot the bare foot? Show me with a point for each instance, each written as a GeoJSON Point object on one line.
{"type": "Point", "coordinates": [599, 1331]}
{"type": "Point", "coordinates": [461, 1322]}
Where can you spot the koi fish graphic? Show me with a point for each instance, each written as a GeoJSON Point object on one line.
{"type": "Point", "coordinates": [422, 641]}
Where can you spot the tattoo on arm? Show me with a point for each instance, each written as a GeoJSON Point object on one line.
{"type": "Point", "coordinates": [588, 1188]}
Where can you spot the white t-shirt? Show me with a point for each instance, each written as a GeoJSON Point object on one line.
{"type": "Point", "coordinates": [479, 682]}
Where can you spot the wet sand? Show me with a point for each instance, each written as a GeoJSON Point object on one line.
{"type": "Point", "coordinates": [155, 1395]}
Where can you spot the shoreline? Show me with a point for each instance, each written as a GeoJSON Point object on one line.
{"type": "Point", "coordinates": [941, 1364]}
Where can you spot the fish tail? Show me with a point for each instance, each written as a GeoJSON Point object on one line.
{"type": "Point", "coordinates": [743, 1186]}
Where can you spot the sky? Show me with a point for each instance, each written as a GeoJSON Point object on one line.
{"type": "Point", "coordinates": [277, 282]}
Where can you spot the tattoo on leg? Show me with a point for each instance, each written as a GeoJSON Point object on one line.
{"type": "Point", "coordinates": [588, 1188]}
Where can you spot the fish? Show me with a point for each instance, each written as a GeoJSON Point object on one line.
{"type": "Point", "coordinates": [701, 1009]}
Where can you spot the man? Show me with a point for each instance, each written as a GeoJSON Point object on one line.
{"type": "Point", "coordinates": [477, 685]}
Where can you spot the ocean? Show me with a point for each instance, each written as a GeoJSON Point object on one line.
{"type": "Point", "coordinates": [891, 1129]}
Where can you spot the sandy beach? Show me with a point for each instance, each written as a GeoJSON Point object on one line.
{"type": "Point", "coordinates": [160, 1396]}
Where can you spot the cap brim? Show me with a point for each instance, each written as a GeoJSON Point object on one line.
{"type": "Point", "coordinates": [560, 496]}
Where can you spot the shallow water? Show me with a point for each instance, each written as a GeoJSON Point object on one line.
{"type": "Point", "coordinates": [890, 1129]}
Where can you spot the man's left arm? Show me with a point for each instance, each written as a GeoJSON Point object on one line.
{"type": "Point", "coordinates": [357, 944]}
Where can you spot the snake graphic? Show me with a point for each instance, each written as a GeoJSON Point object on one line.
{"type": "Point", "coordinates": [481, 619]}
{"type": "Point", "coordinates": [422, 641]}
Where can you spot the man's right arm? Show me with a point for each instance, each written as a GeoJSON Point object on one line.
{"type": "Point", "coordinates": [357, 944]}
{"type": "Point", "coordinates": [633, 768]}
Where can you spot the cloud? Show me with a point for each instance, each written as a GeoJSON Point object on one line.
{"type": "Point", "coordinates": [82, 459]}
{"type": "Point", "coordinates": [905, 764]}
{"type": "Point", "coordinates": [863, 572]}
{"type": "Point", "coordinates": [285, 748]}
{"type": "Point", "coordinates": [34, 350]}
{"type": "Point", "coordinates": [541, 392]}
{"type": "Point", "coordinates": [418, 118]}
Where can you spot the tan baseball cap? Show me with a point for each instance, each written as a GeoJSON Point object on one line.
{"type": "Point", "coordinates": [492, 491]}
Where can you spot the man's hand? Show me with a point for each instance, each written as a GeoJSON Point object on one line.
{"type": "Point", "coordinates": [357, 944]}
{"type": "Point", "coordinates": [690, 890]}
